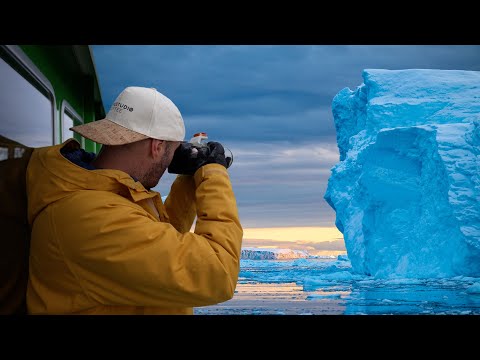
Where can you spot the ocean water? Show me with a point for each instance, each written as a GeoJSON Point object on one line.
{"type": "Point", "coordinates": [324, 286]}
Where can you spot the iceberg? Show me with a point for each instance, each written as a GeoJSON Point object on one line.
{"type": "Point", "coordinates": [406, 189]}
{"type": "Point", "coordinates": [252, 253]}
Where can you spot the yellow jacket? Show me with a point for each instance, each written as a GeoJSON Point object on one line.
{"type": "Point", "coordinates": [98, 245]}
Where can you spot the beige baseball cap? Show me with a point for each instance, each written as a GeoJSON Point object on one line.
{"type": "Point", "coordinates": [138, 113]}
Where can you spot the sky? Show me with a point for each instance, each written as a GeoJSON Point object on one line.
{"type": "Point", "coordinates": [271, 106]}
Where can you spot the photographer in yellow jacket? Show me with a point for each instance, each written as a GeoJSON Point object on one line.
{"type": "Point", "coordinates": [104, 243]}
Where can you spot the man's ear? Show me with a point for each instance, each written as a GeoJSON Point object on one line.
{"type": "Point", "coordinates": [156, 148]}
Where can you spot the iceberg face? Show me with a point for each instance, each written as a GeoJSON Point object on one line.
{"type": "Point", "coordinates": [407, 188]}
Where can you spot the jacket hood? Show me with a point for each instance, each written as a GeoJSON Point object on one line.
{"type": "Point", "coordinates": [51, 177]}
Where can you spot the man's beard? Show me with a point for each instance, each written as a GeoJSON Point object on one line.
{"type": "Point", "coordinates": [156, 171]}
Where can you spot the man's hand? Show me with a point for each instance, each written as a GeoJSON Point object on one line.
{"type": "Point", "coordinates": [216, 154]}
{"type": "Point", "coordinates": [188, 158]}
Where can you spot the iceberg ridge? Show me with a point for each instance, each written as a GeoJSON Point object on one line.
{"type": "Point", "coordinates": [407, 188]}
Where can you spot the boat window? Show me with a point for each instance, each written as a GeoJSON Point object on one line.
{"type": "Point", "coordinates": [26, 109]}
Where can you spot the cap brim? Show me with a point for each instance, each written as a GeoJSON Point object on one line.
{"type": "Point", "coordinates": [107, 132]}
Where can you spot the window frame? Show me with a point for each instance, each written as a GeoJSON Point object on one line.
{"type": "Point", "coordinates": [14, 56]}
{"type": "Point", "coordinates": [70, 111]}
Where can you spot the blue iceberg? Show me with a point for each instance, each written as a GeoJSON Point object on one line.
{"type": "Point", "coordinates": [406, 190]}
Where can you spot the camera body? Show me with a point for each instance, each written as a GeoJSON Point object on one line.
{"type": "Point", "coordinates": [190, 155]}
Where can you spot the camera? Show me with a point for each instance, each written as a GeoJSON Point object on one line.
{"type": "Point", "coordinates": [191, 155]}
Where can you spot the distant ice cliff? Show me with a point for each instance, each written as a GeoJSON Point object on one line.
{"type": "Point", "coordinates": [252, 253]}
{"type": "Point", "coordinates": [407, 188]}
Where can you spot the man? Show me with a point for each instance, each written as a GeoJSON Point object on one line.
{"type": "Point", "coordinates": [104, 243]}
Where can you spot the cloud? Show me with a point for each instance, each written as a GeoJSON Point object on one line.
{"type": "Point", "coordinates": [308, 124]}
{"type": "Point", "coordinates": [262, 92]}
{"type": "Point", "coordinates": [282, 162]}
{"type": "Point", "coordinates": [271, 105]}
{"type": "Point", "coordinates": [279, 183]}
{"type": "Point", "coordinates": [274, 214]}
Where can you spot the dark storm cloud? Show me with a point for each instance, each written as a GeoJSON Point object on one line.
{"type": "Point", "coordinates": [237, 88]}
